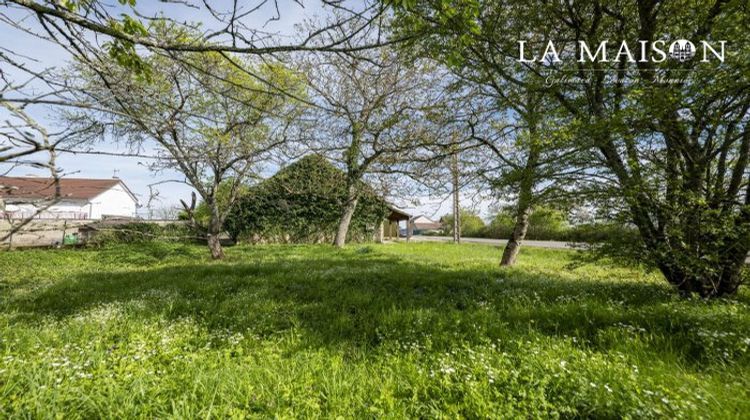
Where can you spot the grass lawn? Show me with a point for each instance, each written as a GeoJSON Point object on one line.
{"type": "Point", "coordinates": [418, 330]}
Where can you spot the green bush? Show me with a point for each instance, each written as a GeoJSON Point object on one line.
{"type": "Point", "coordinates": [471, 224]}
{"type": "Point", "coordinates": [302, 204]}
{"type": "Point", "coordinates": [202, 212]}
{"type": "Point", "coordinates": [547, 224]}
{"type": "Point", "coordinates": [601, 232]}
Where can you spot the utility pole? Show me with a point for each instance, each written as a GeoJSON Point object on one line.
{"type": "Point", "coordinates": [456, 203]}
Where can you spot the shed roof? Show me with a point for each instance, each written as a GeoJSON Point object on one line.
{"type": "Point", "coordinates": [397, 214]}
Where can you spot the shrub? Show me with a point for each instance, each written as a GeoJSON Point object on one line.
{"type": "Point", "coordinates": [600, 232]}
{"type": "Point", "coordinates": [142, 232]}
{"type": "Point", "coordinates": [202, 213]}
{"type": "Point", "coordinates": [302, 204]}
{"type": "Point", "coordinates": [471, 224]}
{"type": "Point", "coordinates": [545, 224]}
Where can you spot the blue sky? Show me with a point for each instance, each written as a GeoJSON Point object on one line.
{"type": "Point", "coordinates": [132, 171]}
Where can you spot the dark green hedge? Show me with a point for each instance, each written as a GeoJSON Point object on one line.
{"type": "Point", "coordinates": [550, 224]}
{"type": "Point", "coordinates": [586, 233]}
{"type": "Point", "coordinates": [302, 204]}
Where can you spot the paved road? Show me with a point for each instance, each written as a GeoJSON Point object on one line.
{"type": "Point", "coordinates": [502, 242]}
{"type": "Point", "coordinates": [497, 242]}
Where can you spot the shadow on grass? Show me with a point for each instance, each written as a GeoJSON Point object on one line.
{"type": "Point", "coordinates": [365, 299]}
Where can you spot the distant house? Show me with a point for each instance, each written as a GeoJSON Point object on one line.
{"type": "Point", "coordinates": [79, 199]}
{"type": "Point", "coordinates": [423, 224]}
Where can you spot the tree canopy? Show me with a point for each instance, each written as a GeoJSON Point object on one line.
{"type": "Point", "coordinates": [669, 135]}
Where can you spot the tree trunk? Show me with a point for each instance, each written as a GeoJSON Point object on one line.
{"type": "Point", "coordinates": [525, 198]}
{"type": "Point", "coordinates": [456, 202]}
{"type": "Point", "coordinates": [346, 215]}
{"type": "Point", "coordinates": [213, 232]}
{"type": "Point", "coordinates": [707, 285]}
{"type": "Point", "coordinates": [517, 236]}
{"type": "Point", "coordinates": [380, 233]}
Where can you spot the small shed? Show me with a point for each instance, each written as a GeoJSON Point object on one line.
{"type": "Point", "coordinates": [389, 227]}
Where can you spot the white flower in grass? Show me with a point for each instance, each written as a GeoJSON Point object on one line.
{"type": "Point", "coordinates": [448, 370]}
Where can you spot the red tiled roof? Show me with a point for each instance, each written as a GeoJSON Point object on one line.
{"type": "Point", "coordinates": [71, 188]}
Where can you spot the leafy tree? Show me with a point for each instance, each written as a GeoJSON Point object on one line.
{"type": "Point", "coordinates": [470, 223]}
{"type": "Point", "coordinates": [670, 139]}
{"type": "Point", "coordinates": [548, 218]}
{"type": "Point", "coordinates": [207, 118]}
{"type": "Point", "coordinates": [511, 116]}
{"type": "Point", "coordinates": [536, 161]}
{"type": "Point", "coordinates": [224, 200]}
{"type": "Point", "coordinates": [366, 104]}
{"type": "Point", "coordinates": [127, 32]}
{"type": "Point", "coordinates": [544, 223]}
{"type": "Point", "coordinates": [453, 154]}
{"type": "Point", "coordinates": [236, 29]}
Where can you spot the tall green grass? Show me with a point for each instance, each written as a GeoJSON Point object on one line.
{"type": "Point", "coordinates": [405, 330]}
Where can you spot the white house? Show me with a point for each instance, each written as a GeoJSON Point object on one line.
{"type": "Point", "coordinates": [422, 224]}
{"type": "Point", "coordinates": [79, 198]}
